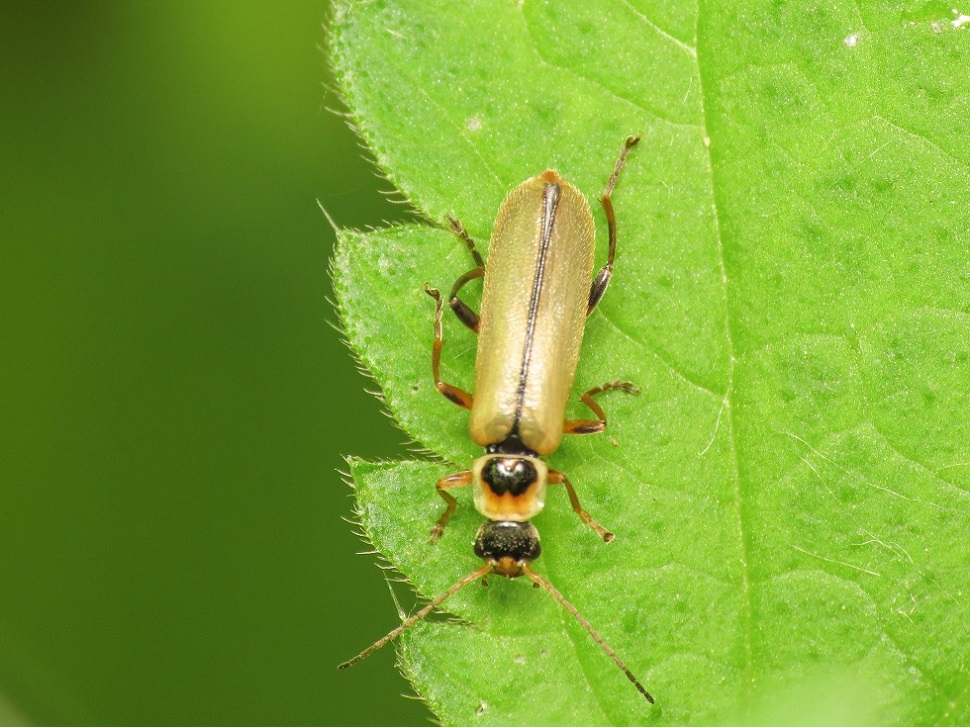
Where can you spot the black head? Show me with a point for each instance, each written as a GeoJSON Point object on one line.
{"type": "Point", "coordinates": [508, 545]}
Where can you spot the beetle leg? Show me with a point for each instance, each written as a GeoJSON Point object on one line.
{"type": "Point", "coordinates": [592, 426]}
{"type": "Point", "coordinates": [602, 279]}
{"type": "Point", "coordinates": [459, 479]}
{"type": "Point", "coordinates": [558, 478]}
{"type": "Point", "coordinates": [459, 230]}
{"type": "Point", "coordinates": [465, 314]}
{"type": "Point", "coordinates": [451, 393]}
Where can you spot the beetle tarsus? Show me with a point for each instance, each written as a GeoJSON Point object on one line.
{"type": "Point", "coordinates": [459, 230]}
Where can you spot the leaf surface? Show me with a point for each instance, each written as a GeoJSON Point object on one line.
{"type": "Point", "coordinates": [792, 293]}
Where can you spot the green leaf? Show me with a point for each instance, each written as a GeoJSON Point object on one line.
{"type": "Point", "coordinates": [792, 293]}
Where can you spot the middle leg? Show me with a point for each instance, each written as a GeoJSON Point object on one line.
{"type": "Point", "coordinates": [451, 393]}
{"type": "Point", "coordinates": [592, 426]}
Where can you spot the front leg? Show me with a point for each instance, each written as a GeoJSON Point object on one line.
{"type": "Point", "coordinates": [559, 478]}
{"type": "Point", "coordinates": [451, 482]}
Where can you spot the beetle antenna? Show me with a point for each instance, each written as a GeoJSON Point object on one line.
{"type": "Point", "coordinates": [473, 576]}
{"type": "Point", "coordinates": [540, 581]}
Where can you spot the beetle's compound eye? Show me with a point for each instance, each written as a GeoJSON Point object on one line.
{"type": "Point", "coordinates": [507, 544]}
{"type": "Point", "coordinates": [509, 475]}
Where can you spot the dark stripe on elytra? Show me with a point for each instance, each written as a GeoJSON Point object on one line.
{"type": "Point", "coordinates": [550, 200]}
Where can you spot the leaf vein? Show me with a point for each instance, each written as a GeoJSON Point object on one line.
{"type": "Point", "coordinates": [463, 133]}
{"type": "Point", "coordinates": [742, 543]}
{"type": "Point", "coordinates": [537, 46]}
{"type": "Point", "coordinates": [926, 140]}
{"type": "Point", "coordinates": [661, 355]}
{"type": "Point", "coordinates": [690, 50]}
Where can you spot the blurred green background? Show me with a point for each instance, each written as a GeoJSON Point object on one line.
{"type": "Point", "coordinates": [173, 401]}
